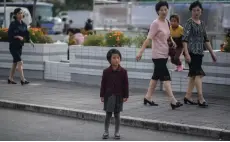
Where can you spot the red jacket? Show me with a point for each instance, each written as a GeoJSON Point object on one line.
{"type": "Point", "coordinates": [115, 82]}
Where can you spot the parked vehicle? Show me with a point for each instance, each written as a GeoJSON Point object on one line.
{"type": "Point", "coordinates": [9, 16]}
{"type": "Point", "coordinates": [54, 25]}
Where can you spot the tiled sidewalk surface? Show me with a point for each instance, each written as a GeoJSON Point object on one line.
{"type": "Point", "coordinates": [75, 96]}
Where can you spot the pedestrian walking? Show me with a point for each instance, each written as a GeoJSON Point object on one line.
{"type": "Point", "coordinates": [194, 39]}
{"type": "Point", "coordinates": [159, 33]}
{"type": "Point", "coordinates": [176, 31]}
{"type": "Point", "coordinates": [17, 33]}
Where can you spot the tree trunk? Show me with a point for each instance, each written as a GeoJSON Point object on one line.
{"type": "Point", "coordinates": [34, 13]}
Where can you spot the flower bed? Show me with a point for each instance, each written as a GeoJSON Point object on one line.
{"type": "Point", "coordinates": [37, 35]}
{"type": "Point", "coordinates": [110, 39]}
{"type": "Point", "coordinates": [114, 39]}
{"type": "Point", "coordinates": [34, 58]}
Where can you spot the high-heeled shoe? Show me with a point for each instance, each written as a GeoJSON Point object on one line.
{"type": "Point", "coordinates": [25, 82]}
{"type": "Point", "coordinates": [11, 82]}
{"type": "Point", "coordinates": [151, 103]}
{"type": "Point", "coordinates": [204, 104]}
{"type": "Point", "coordinates": [105, 135]}
{"type": "Point", "coordinates": [186, 101]}
{"type": "Point", "coordinates": [178, 104]}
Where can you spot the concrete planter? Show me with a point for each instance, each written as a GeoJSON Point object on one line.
{"type": "Point", "coordinates": [219, 72]}
{"type": "Point", "coordinates": [87, 64]}
{"type": "Point", "coordinates": [58, 71]}
{"type": "Point", "coordinates": [217, 79]}
{"type": "Point", "coordinates": [33, 58]}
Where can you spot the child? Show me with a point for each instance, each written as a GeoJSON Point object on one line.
{"type": "Point", "coordinates": [79, 37]}
{"type": "Point", "coordinates": [176, 31]}
{"type": "Point", "coordinates": [70, 37]}
{"type": "Point", "coordinates": [114, 91]}
{"type": "Point", "coordinates": [222, 46]}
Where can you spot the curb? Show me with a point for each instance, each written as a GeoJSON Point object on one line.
{"type": "Point", "coordinates": [125, 120]}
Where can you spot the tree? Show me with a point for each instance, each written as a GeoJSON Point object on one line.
{"type": "Point", "coordinates": [34, 14]}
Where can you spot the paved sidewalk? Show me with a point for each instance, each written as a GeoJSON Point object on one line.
{"type": "Point", "coordinates": [74, 96]}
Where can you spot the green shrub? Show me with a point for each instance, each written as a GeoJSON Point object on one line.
{"type": "Point", "coordinates": [114, 39]}
{"type": "Point", "coordinates": [139, 40]}
{"type": "Point", "coordinates": [94, 40]}
{"type": "Point", "coordinates": [227, 46]}
{"type": "Point", "coordinates": [128, 41]}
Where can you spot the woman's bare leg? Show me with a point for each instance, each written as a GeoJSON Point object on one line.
{"type": "Point", "coordinates": [191, 85]}
{"type": "Point", "coordinates": [20, 69]}
{"type": "Point", "coordinates": [168, 89]}
{"type": "Point", "coordinates": [12, 71]}
{"type": "Point", "coordinates": [198, 83]}
{"type": "Point", "coordinates": [151, 89]}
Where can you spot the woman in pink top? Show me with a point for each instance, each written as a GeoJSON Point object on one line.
{"type": "Point", "coordinates": [79, 37]}
{"type": "Point", "coordinates": [159, 33]}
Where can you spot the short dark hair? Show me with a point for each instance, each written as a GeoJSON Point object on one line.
{"type": "Point", "coordinates": [64, 19]}
{"type": "Point", "coordinates": [17, 10]}
{"type": "Point", "coordinates": [176, 17]}
{"type": "Point", "coordinates": [195, 4]}
{"type": "Point", "coordinates": [70, 30]}
{"type": "Point", "coordinates": [160, 4]}
{"type": "Point", "coordinates": [77, 31]}
{"type": "Point", "coordinates": [111, 52]}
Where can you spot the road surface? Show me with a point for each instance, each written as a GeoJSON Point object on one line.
{"type": "Point", "coordinates": [27, 126]}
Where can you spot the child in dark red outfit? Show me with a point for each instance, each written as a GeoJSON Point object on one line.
{"type": "Point", "coordinates": [114, 91]}
{"type": "Point", "coordinates": [176, 31]}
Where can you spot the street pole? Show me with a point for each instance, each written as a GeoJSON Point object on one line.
{"type": "Point", "coordinates": [4, 13]}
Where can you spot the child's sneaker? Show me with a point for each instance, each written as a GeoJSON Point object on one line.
{"type": "Point", "coordinates": [180, 68]}
{"type": "Point", "coordinates": [105, 135]}
{"type": "Point", "coordinates": [117, 136]}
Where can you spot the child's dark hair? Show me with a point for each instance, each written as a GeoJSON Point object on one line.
{"type": "Point", "coordinates": [77, 31]}
{"type": "Point", "coordinates": [160, 4]}
{"type": "Point", "coordinates": [175, 16]}
{"type": "Point", "coordinates": [195, 4]}
{"type": "Point", "coordinates": [70, 30]}
{"type": "Point", "coordinates": [111, 52]}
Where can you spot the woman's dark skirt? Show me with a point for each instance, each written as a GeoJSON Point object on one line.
{"type": "Point", "coordinates": [195, 66]}
{"type": "Point", "coordinates": [16, 52]}
{"type": "Point", "coordinates": [161, 71]}
{"type": "Point", "coordinates": [113, 103]}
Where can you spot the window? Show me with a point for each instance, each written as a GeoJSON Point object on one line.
{"type": "Point", "coordinates": [44, 11]}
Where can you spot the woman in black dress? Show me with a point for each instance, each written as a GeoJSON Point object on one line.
{"type": "Point", "coordinates": [194, 39]}
{"type": "Point", "coordinates": [17, 34]}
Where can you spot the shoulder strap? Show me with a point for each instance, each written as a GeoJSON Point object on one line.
{"type": "Point", "coordinates": [169, 27]}
{"type": "Point", "coordinates": [168, 24]}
